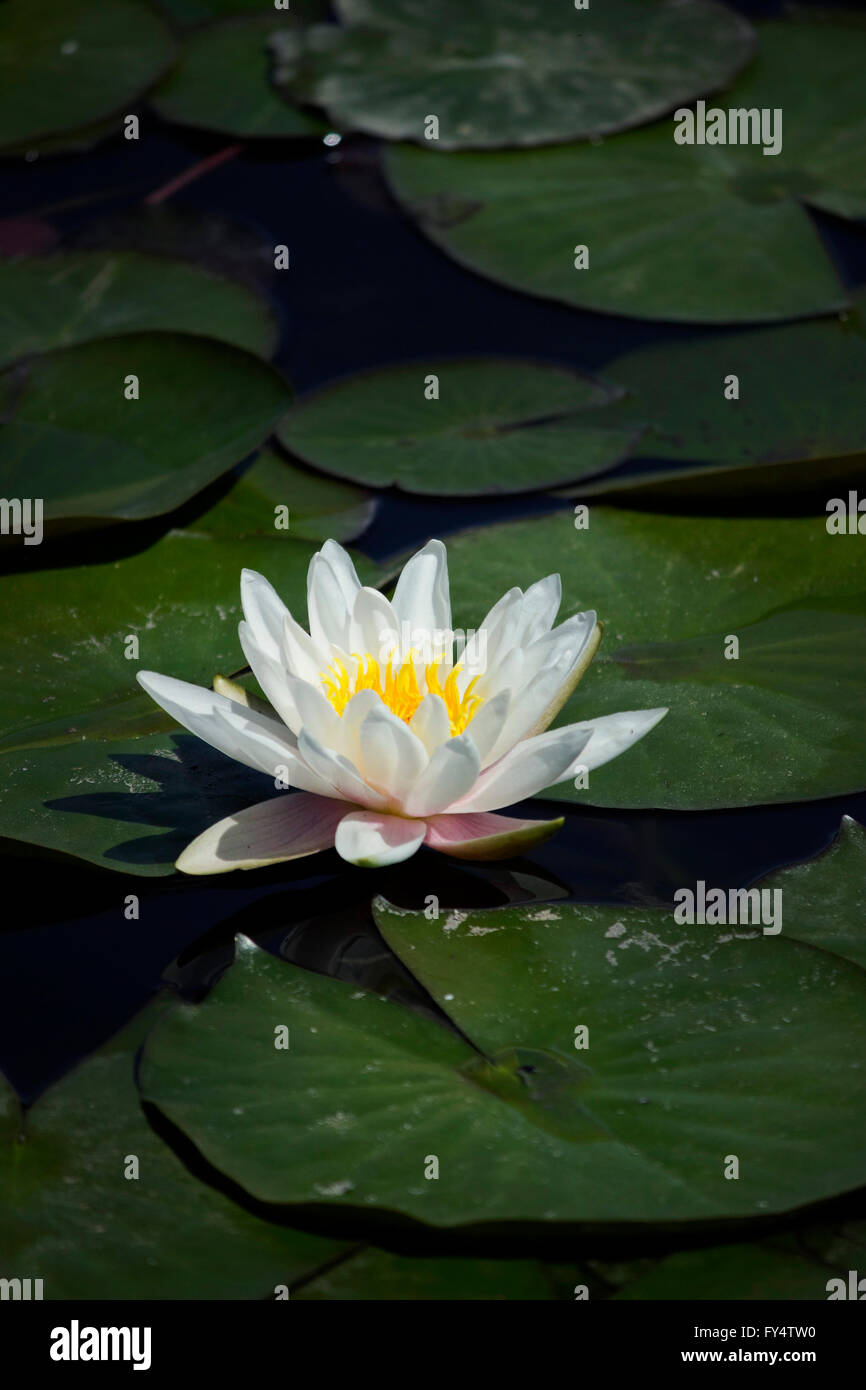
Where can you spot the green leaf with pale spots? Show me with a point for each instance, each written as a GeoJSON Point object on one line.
{"type": "Point", "coordinates": [701, 1042]}
{"type": "Point", "coordinates": [696, 233]}
{"type": "Point", "coordinates": [783, 722]}
{"type": "Point", "coordinates": [71, 64]}
{"type": "Point", "coordinates": [71, 1216]}
{"type": "Point", "coordinates": [511, 72]}
{"type": "Point", "coordinates": [73, 437]}
{"type": "Point", "coordinates": [496, 425]}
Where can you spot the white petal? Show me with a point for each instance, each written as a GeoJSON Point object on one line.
{"type": "Point", "coordinates": [373, 841]}
{"type": "Point", "coordinates": [264, 612]}
{"type": "Point", "coordinates": [316, 713]}
{"type": "Point", "coordinates": [486, 835]}
{"type": "Point", "coordinates": [421, 597]}
{"type": "Point", "coordinates": [338, 771]}
{"type": "Point", "coordinates": [351, 722]}
{"type": "Point", "coordinates": [392, 757]}
{"type": "Point", "coordinates": [430, 722]}
{"type": "Point", "coordinates": [452, 770]}
{"type": "Point", "coordinates": [301, 656]}
{"type": "Point", "coordinates": [271, 676]}
{"type": "Point", "coordinates": [374, 627]}
{"type": "Point", "coordinates": [532, 765]}
{"type": "Point", "coordinates": [486, 726]}
{"type": "Point", "coordinates": [612, 734]}
{"type": "Point", "coordinates": [242, 733]}
{"type": "Point", "coordinates": [286, 827]}
{"type": "Point", "coordinates": [565, 656]}
{"type": "Point", "coordinates": [540, 607]}
{"type": "Point", "coordinates": [328, 606]}
{"type": "Point", "coordinates": [344, 570]}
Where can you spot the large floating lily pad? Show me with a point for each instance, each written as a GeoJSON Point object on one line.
{"type": "Point", "coordinates": [702, 1043]}
{"type": "Point", "coordinates": [71, 1216]}
{"type": "Point", "coordinates": [91, 766]}
{"type": "Point", "coordinates": [799, 388]}
{"type": "Point", "coordinates": [705, 233]}
{"type": "Point", "coordinates": [74, 439]}
{"type": "Point", "coordinates": [783, 722]}
{"type": "Point", "coordinates": [496, 426]}
{"type": "Point", "coordinates": [55, 301]}
{"type": "Point", "coordinates": [71, 64]}
{"type": "Point", "coordinates": [222, 83]}
{"type": "Point", "coordinates": [511, 72]}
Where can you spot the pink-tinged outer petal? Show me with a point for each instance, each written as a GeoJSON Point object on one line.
{"type": "Point", "coordinates": [372, 840]}
{"type": "Point", "coordinates": [285, 827]}
{"type": "Point", "coordinates": [485, 835]}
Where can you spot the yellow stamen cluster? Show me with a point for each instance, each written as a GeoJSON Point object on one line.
{"type": "Point", "coordinates": [400, 690]}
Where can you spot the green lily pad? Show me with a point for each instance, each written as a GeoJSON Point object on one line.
{"type": "Point", "coordinates": [703, 1043]}
{"type": "Point", "coordinates": [381, 1276]}
{"type": "Point", "coordinates": [782, 722]}
{"type": "Point", "coordinates": [318, 508]}
{"type": "Point", "coordinates": [780, 1267]}
{"type": "Point", "coordinates": [49, 302]}
{"type": "Point", "coordinates": [72, 1218]}
{"type": "Point", "coordinates": [798, 385]}
{"type": "Point", "coordinates": [222, 83]}
{"type": "Point", "coordinates": [496, 426]}
{"type": "Point", "coordinates": [69, 65]}
{"type": "Point", "coordinates": [697, 233]}
{"type": "Point", "coordinates": [511, 72]}
{"type": "Point", "coordinates": [75, 440]}
{"type": "Point", "coordinates": [825, 898]}
{"type": "Point", "coordinates": [91, 766]}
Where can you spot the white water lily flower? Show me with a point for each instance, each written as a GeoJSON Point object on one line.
{"type": "Point", "coordinates": [387, 750]}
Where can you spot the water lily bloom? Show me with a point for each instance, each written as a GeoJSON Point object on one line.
{"type": "Point", "coordinates": [388, 745]}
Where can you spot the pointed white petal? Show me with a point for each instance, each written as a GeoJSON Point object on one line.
{"type": "Point", "coordinates": [344, 570]}
{"type": "Point", "coordinates": [338, 771]}
{"type": "Point", "coordinates": [286, 827]}
{"type": "Point", "coordinates": [452, 770]}
{"type": "Point", "coordinates": [351, 722]}
{"type": "Point", "coordinates": [372, 841]}
{"type": "Point", "coordinates": [540, 607]}
{"type": "Point", "coordinates": [612, 734]}
{"type": "Point", "coordinates": [375, 627]}
{"type": "Point", "coordinates": [430, 722]}
{"type": "Point", "coordinates": [271, 676]}
{"type": "Point", "coordinates": [421, 597]}
{"type": "Point", "coordinates": [485, 835]}
{"type": "Point", "coordinates": [241, 733]}
{"type": "Point", "coordinates": [560, 660]}
{"type": "Point", "coordinates": [316, 713]}
{"type": "Point", "coordinates": [264, 612]}
{"type": "Point", "coordinates": [487, 725]}
{"type": "Point", "coordinates": [392, 757]}
{"type": "Point", "coordinates": [329, 608]}
{"type": "Point", "coordinates": [527, 769]}
{"type": "Point", "coordinates": [301, 657]}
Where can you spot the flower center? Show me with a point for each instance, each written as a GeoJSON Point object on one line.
{"type": "Point", "coordinates": [400, 689]}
